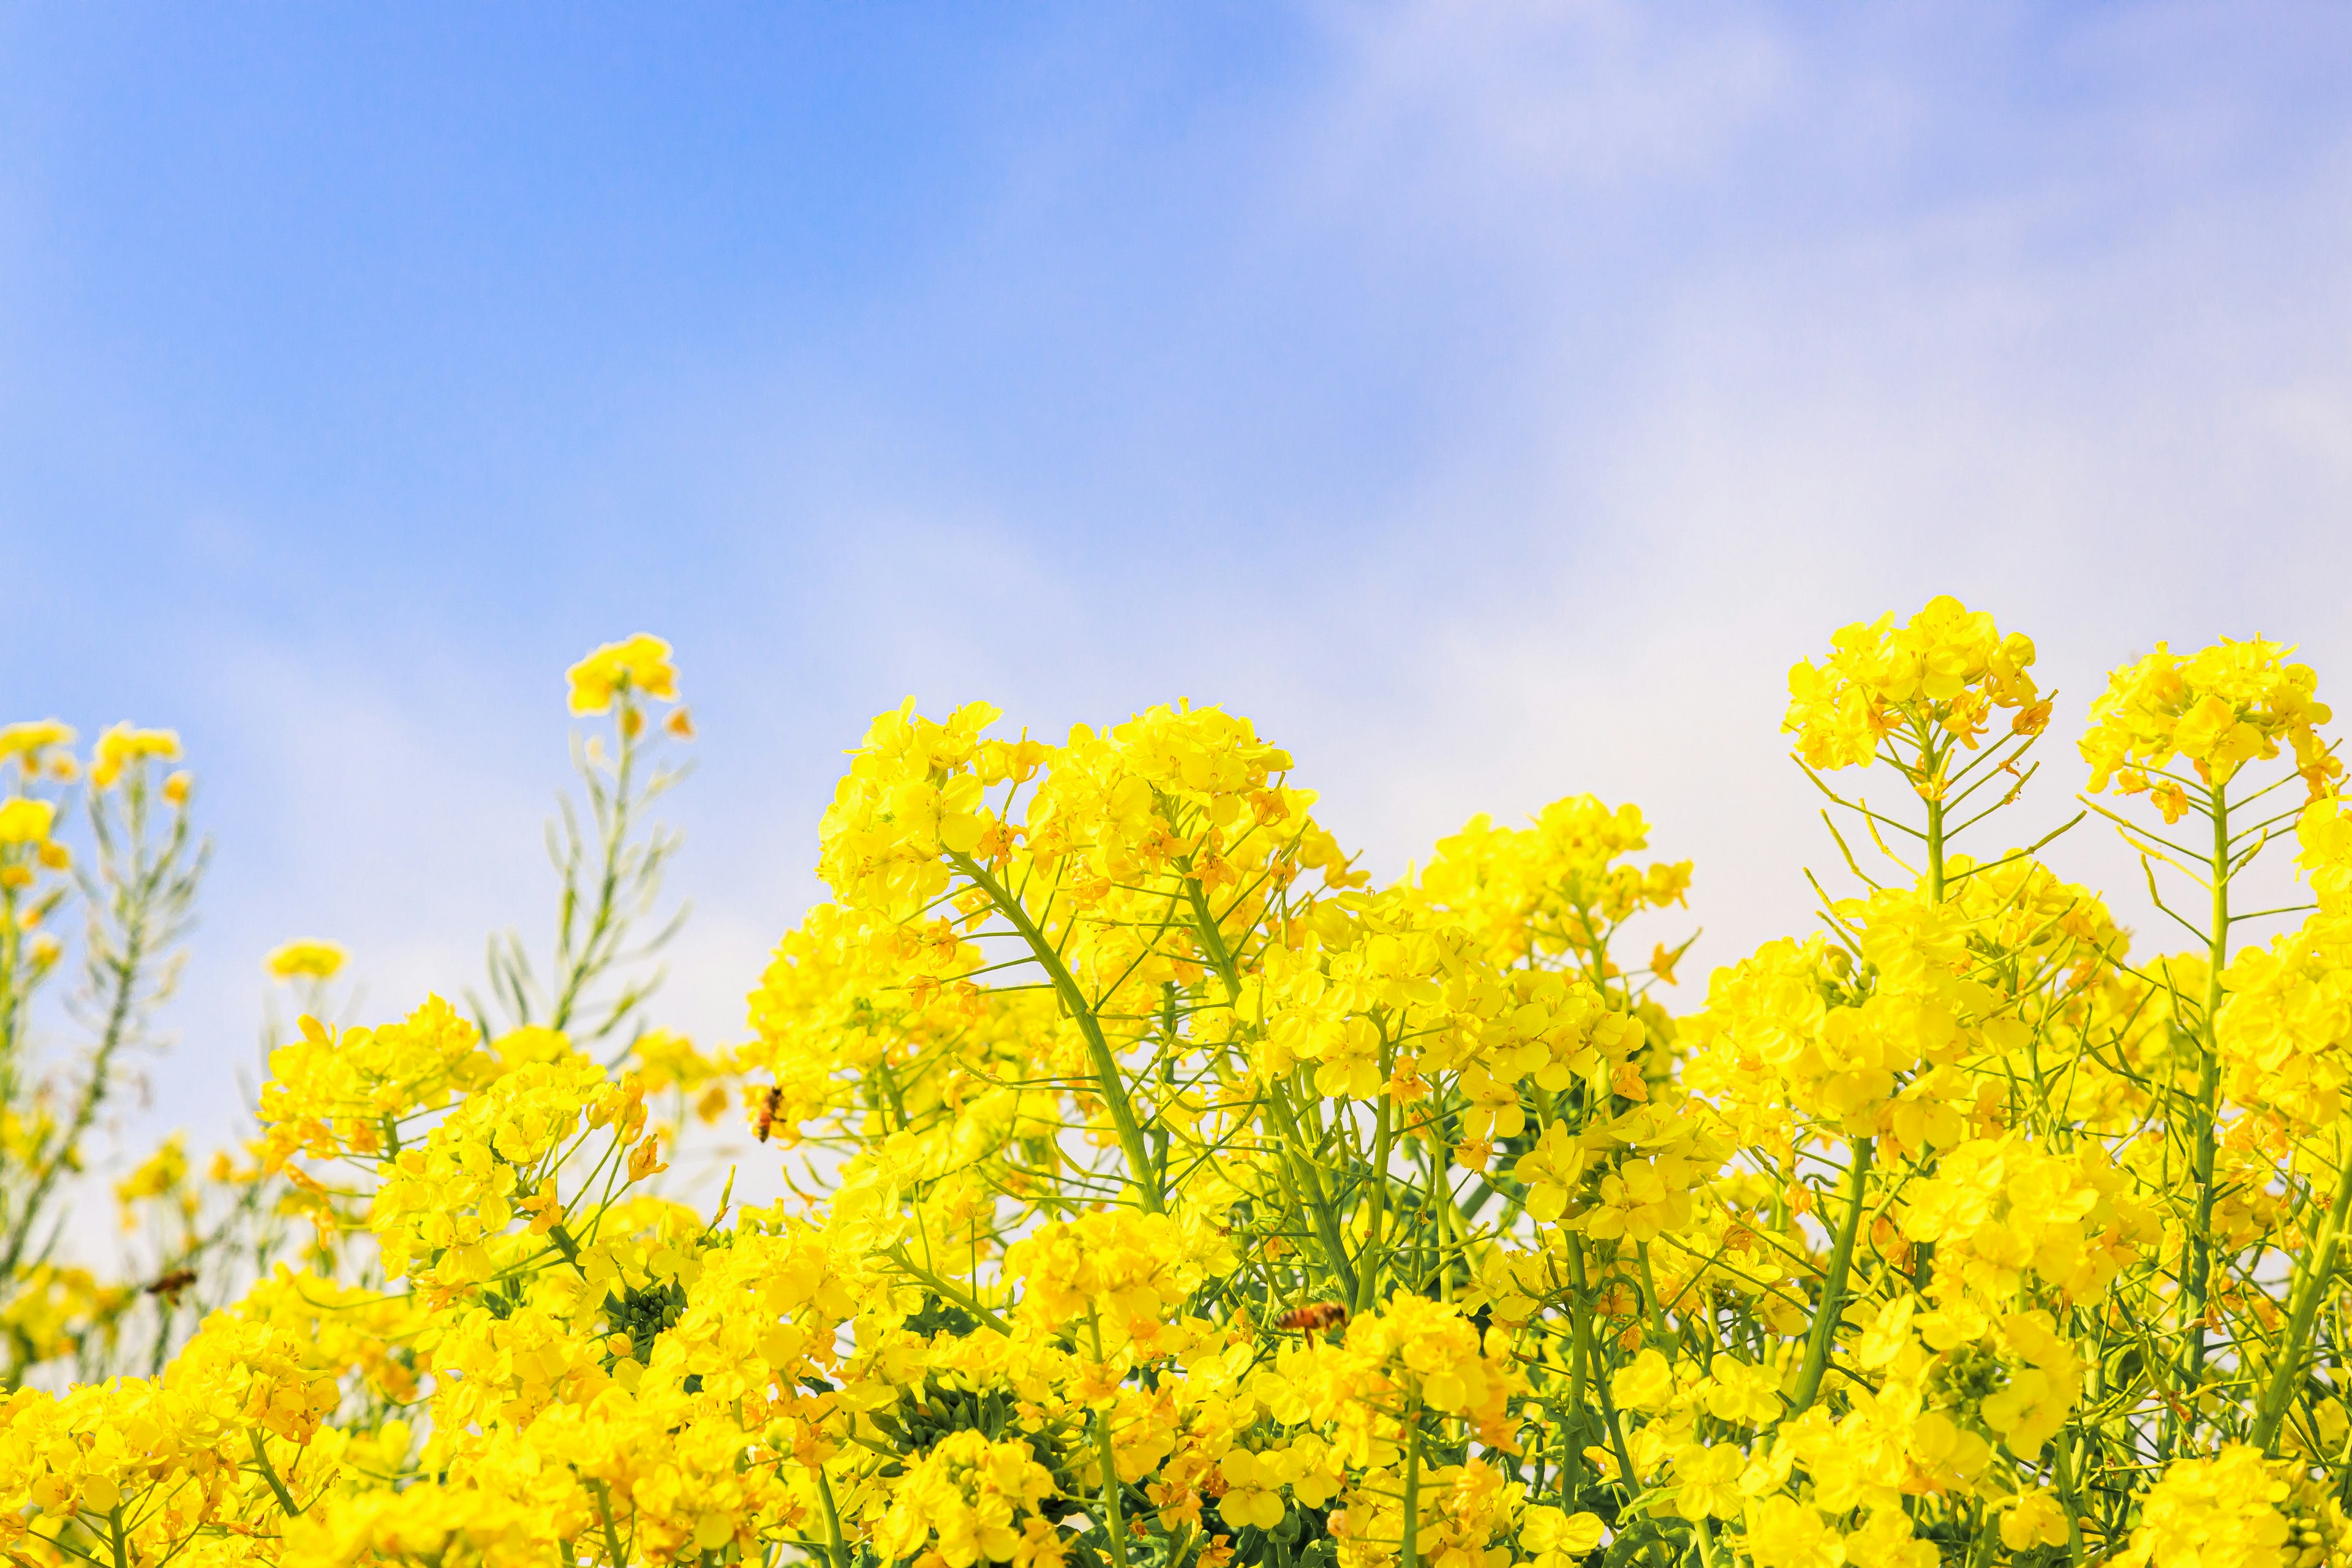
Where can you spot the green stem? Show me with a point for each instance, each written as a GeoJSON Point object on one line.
{"type": "Point", "coordinates": [1309, 1178]}
{"type": "Point", "coordinates": [2209, 1076]}
{"type": "Point", "coordinates": [1572, 1463]}
{"type": "Point", "coordinates": [1367, 1261]}
{"type": "Point", "coordinates": [609, 882]}
{"type": "Point", "coordinates": [1411, 1545]}
{"type": "Point", "coordinates": [1657, 1307]}
{"type": "Point", "coordinates": [124, 968]}
{"type": "Point", "coordinates": [1114, 1516]}
{"type": "Point", "coordinates": [1591, 1353]}
{"type": "Point", "coordinates": [1935, 850]}
{"type": "Point", "coordinates": [2308, 1293]}
{"type": "Point", "coordinates": [1108, 1075]}
{"type": "Point", "coordinates": [1833, 1307]}
{"type": "Point", "coordinates": [833, 1540]}
{"type": "Point", "coordinates": [1305, 1173]}
{"type": "Point", "coordinates": [604, 1517]}
{"type": "Point", "coordinates": [1212, 940]}
{"type": "Point", "coordinates": [2066, 1496]}
{"type": "Point", "coordinates": [951, 1294]}
{"type": "Point", "coordinates": [270, 1474]}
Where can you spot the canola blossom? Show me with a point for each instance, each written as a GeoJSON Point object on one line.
{"type": "Point", "coordinates": [1165, 1192]}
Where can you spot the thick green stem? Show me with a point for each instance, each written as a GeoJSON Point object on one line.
{"type": "Point", "coordinates": [1212, 940]}
{"type": "Point", "coordinates": [604, 1517]}
{"type": "Point", "coordinates": [1367, 1261]}
{"type": "Point", "coordinates": [270, 1474]}
{"type": "Point", "coordinates": [2310, 1290]}
{"type": "Point", "coordinates": [1114, 1516]}
{"type": "Point", "coordinates": [1833, 1307]}
{"type": "Point", "coordinates": [1309, 1178]}
{"type": "Point", "coordinates": [954, 1296]}
{"type": "Point", "coordinates": [2197, 1283]}
{"type": "Point", "coordinates": [1305, 1174]}
{"type": "Point", "coordinates": [2067, 1498]}
{"type": "Point", "coordinates": [1140, 1169]}
{"type": "Point", "coordinates": [1410, 1548]}
{"type": "Point", "coordinates": [1658, 1334]}
{"type": "Point", "coordinates": [833, 1541]}
{"type": "Point", "coordinates": [1591, 1353]}
{"type": "Point", "coordinates": [1572, 1463]}
{"type": "Point", "coordinates": [1935, 850]}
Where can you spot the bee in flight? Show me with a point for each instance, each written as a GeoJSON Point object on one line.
{"type": "Point", "coordinates": [170, 1286]}
{"type": "Point", "coordinates": [1316, 1319]}
{"type": "Point", "coordinates": [768, 1104]}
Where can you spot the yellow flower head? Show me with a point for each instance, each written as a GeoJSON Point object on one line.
{"type": "Point", "coordinates": [308, 959]}
{"type": "Point", "coordinates": [1128, 1270]}
{"type": "Point", "coordinates": [641, 664]}
{"type": "Point", "coordinates": [967, 1500]}
{"type": "Point", "coordinates": [25, 820]}
{"type": "Point", "coordinates": [159, 1174]}
{"type": "Point", "coordinates": [123, 745]}
{"type": "Point", "coordinates": [28, 739]}
{"type": "Point", "coordinates": [1943, 669]}
{"type": "Point", "coordinates": [2220, 708]}
{"type": "Point", "coordinates": [1556, 885]}
{"type": "Point", "coordinates": [2221, 1512]}
{"type": "Point", "coordinates": [2325, 834]}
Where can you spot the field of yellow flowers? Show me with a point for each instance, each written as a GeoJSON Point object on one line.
{"type": "Point", "coordinates": [1168, 1196]}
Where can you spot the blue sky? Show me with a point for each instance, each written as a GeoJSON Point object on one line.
{"type": "Point", "coordinates": [1491, 399]}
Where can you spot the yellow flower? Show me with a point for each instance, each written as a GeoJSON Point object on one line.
{"type": "Point", "coordinates": [1553, 1538]}
{"type": "Point", "coordinates": [122, 745]}
{"type": "Point", "coordinates": [2222, 1513]}
{"type": "Point", "coordinates": [2035, 1519]}
{"type": "Point", "coordinates": [1888, 1541]}
{"type": "Point", "coordinates": [1128, 1270]}
{"type": "Point", "coordinates": [160, 1173]}
{"type": "Point", "coordinates": [1647, 1384]}
{"type": "Point", "coordinates": [2323, 834]}
{"type": "Point", "coordinates": [1709, 1480]}
{"type": "Point", "coordinates": [25, 820]}
{"type": "Point", "coordinates": [28, 739]}
{"type": "Point", "coordinates": [1740, 1392]}
{"type": "Point", "coordinates": [309, 958]}
{"type": "Point", "coordinates": [1785, 1533]}
{"type": "Point", "coordinates": [645, 1160]}
{"type": "Point", "coordinates": [639, 664]}
{"type": "Point", "coordinates": [2220, 708]}
{"type": "Point", "coordinates": [968, 1498]}
{"type": "Point", "coordinates": [1940, 673]}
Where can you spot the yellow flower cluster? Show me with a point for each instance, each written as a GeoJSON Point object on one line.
{"type": "Point", "coordinates": [1932, 681]}
{"type": "Point", "coordinates": [638, 665]}
{"type": "Point", "coordinates": [123, 746]}
{"type": "Point", "coordinates": [1168, 1195]}
{"type": "Point", "coordinates": [1554, 888]}
{"type": "Point", "coordinates": [2217, 710]}
{"type": "Point", "coordinates": [307, 959]}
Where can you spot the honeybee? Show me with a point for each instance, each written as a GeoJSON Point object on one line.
{"type": "Point", "coordinates": [170, 1286]}
{"type": "Point", "coordinates": [768, 1104]}
{"type": "Point", "coordinates": [1316, 1319]}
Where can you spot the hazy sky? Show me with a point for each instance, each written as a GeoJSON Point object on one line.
{"type": "Point", "coordinates": [1492, 400]}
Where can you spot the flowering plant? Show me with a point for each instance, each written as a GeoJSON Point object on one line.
{"type": "Point", "coordinates": [1169, 1196]}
